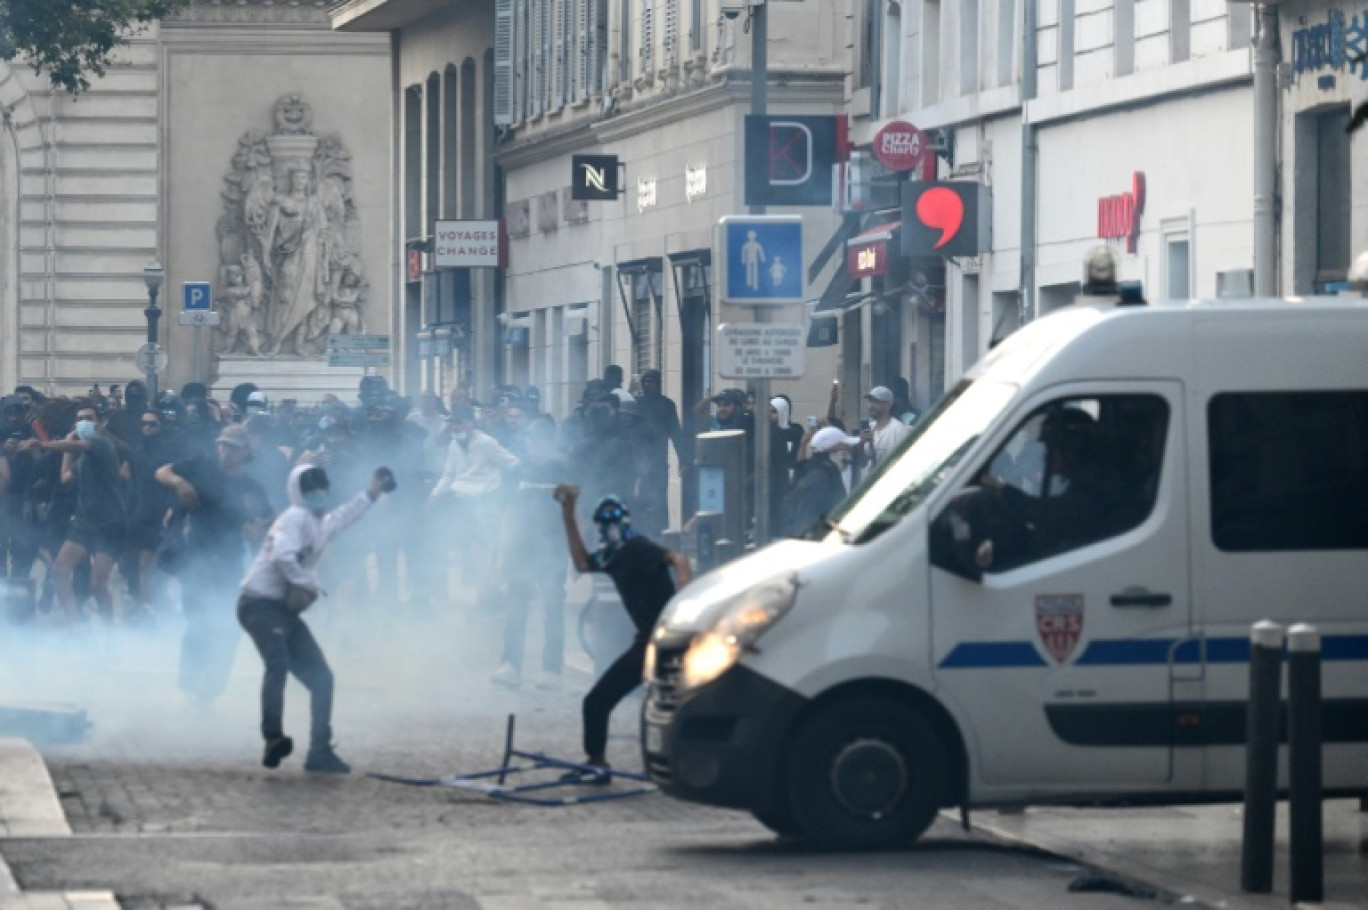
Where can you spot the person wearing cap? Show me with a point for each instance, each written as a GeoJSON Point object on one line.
{"type": "Point", "coordinates": [257, 403]}
{"type": "Point", "coordinates": [817, 484]}
{"type": "Point", "coordinates": [883, 433]}
{"type": "Point", "coordinates": [224, 510]}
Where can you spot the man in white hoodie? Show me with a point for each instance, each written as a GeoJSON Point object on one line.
{"type": "Point", "coordinates": [279, 587]}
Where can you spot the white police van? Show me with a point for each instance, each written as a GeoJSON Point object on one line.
{"type": "Point", "coordinates": [1045, 596]}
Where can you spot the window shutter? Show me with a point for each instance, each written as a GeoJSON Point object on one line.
{"type": "Point", "coordinates": [647, 37]}
{"type": "Point", "coordinates": [522, 72]}
{"type": "Point", "coordinates": [503, 62]}
{"type": "Point", "coordinates": [583, 61]}
{"type": "Point", "coordinates": [546, 51]}
{"type": "Point", "coordinates": [671, 53]}
{"type": "Point", "coordinates": [562, 50]}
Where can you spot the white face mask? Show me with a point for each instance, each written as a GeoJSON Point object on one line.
{"type": "Point", "coordinates": [85, 428]}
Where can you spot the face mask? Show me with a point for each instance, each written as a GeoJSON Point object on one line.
{"type": "Point", "coordinates": [317, 501]}
{"type": "Point", "coordinates": [85, 429]}
{"type": "Point", "coordinates": [463, 438]}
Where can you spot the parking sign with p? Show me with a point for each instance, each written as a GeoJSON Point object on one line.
{"type": "Point", "coordinates": [198, 295]}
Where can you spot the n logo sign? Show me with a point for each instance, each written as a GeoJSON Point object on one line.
{"type": "Point", "coordinates": [594, 178]}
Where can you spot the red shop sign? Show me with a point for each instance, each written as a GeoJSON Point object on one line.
{"type": "Point", "coordinates": [415, 265]}
{"type": "Point", "coordinates": [868, 259]}
{"type": "Point", "coordinates": [1118, 217]}
{"type": "Point", "coordinates": [900, 146]}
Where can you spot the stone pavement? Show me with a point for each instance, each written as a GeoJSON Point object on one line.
{"type": "Point", "coordinates": [412, 700]}
{"type": "Point", "coordinates": [1192, 850]}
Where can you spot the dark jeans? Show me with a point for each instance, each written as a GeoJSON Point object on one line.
{"type": "Point", "coordinates": [617, 682]}
{"type": "Point", "coordinates": [546, 585]}
{"type": "Point", "coordinates": [287, 646]}
{"type": "Point", "coordinates": [208, 583]}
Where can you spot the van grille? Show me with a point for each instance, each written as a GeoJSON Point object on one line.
{"type": "Point", "coordinates": [663, 695]}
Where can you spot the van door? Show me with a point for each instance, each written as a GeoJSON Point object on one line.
{"type": "Point", "coordinates": [1060, 654]}
{"type": "Point", "coordinates": [1282, 534]}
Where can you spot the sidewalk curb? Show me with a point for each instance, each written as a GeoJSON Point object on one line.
{"type": "Point", "coordinates": [29, 807]}
{"type": "Point", "coordinates": [1180, 893]}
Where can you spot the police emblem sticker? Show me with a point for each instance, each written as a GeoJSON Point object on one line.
{"type": "Point", "coordinates": [1059, 620]}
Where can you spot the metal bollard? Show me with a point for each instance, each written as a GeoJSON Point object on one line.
{"type": "Point", "coordinates": [1261, 756]}
{"type": "Point", "coordinates": [1304, 762]}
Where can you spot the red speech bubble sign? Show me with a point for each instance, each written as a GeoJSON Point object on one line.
{"type": "Point", "coordinates": [942, 209]}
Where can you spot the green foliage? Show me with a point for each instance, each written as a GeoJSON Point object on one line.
{"type": "Point", "coordinates": [73, 39]}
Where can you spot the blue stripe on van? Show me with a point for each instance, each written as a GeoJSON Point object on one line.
{"type": "Point", "coordinates": [1137, 652]}
{"type": "Point", "coordinates": [985, 654]}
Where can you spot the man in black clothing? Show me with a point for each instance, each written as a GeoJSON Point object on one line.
{"type": "Point", "coordinates": [640, 570]}
{"type": "Point", "coordinates": [660, 421]}
{"type": "Point", "coordinates": [100, 521]}
{"type": "Point", "coordinates": [224, 509]}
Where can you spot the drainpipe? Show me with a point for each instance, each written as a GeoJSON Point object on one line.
{"type": "Point", "coordinates": [1029, 166]}
{"type": "Point", "coordinates": [1266, 152]}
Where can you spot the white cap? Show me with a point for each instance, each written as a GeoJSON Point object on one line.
{"type": "Point", "coordinates": [827, 438]}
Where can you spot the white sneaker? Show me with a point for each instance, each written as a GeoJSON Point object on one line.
{"type": "Point", "coordinates": [506, 676]}
{"type": "Point", "coordinates": [549, 682]}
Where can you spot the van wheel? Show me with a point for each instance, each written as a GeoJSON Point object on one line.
{"type": "Point", "coordinates": [866, 773]}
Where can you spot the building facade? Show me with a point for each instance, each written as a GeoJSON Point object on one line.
{"type": "Point", "coordinates": [140, 168]}
{"type": "Point", "coordinates": [1125, 122]}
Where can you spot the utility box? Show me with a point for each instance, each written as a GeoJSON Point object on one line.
{"type": "Point", "coordinates": [720, 464]}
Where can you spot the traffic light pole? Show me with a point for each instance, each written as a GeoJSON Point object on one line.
{"type": "Point", "coordinates": [759, 22]}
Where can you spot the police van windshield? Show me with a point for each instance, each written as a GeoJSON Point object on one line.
{"type": "Point", "coordinates": [933, 448]}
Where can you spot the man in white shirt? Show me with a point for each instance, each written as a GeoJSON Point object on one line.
{"type": "Point", "coordinates": [884, 432]}
{"type": "Point", "coordinates": [474, 469]}
{"type": "Point", "coordinates": [280, 585]}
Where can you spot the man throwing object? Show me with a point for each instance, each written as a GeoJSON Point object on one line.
{"type": "Point", "coordinates": [640, 570]}
{"type": "Point", "coordinates": [281, 585]}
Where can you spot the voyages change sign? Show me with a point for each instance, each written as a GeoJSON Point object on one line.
{"type": "Point", "coordinates": [467, 245]}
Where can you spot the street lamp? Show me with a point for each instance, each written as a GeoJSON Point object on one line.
{"type": "Point", "coordinates": [153, 274]}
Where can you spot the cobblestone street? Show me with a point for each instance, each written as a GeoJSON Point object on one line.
{"type": "Point", "coordinates": [170, 807]}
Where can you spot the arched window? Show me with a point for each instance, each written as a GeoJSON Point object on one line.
{"type": "Point", "coordinates": [450, 125]}
{"type": "Point", "coordinates": [469, 136]}
{"type": "Point", "coordinates": [432, 175]}
{"type": "Point", "coordinates": [413, 162]}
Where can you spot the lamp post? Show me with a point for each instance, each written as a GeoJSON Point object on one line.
{"type": "Point", "coordinates": [153, 275]}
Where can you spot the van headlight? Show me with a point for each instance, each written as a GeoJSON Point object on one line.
{"type": "Point", "coordinates": [738, 625]}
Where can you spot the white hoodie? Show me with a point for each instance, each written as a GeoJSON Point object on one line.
{"type": "Point", "coordinates": [296, 542]}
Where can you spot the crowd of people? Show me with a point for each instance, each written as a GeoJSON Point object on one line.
{"type": "Point", "coordinates": [106, 497]}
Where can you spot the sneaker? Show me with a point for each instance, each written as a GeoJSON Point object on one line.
{"type": "Point", "coordinates": [277, 748]}
{"type": "Point", "coordinates": [323, 760]}
{"type": "Point", "coordinates": [549, 682]}
{"type": "Point", "coordinates": [506, 676]}
{"type": "Point", "coordinates": [589, 776]}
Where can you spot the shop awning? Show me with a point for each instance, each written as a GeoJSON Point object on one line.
{"type": "Point", "coordinates": [885, 232]}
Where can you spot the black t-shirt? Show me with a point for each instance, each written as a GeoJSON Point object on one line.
{"type": "Point", "coordinates": [642, 576]}
{"type": "Point", "coordinates": [100, 493]}
{"type": "Point", "coordinates": [226, 503]}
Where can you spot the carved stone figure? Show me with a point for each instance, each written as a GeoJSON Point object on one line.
{"type": "Point", "coordinates": [289, 240]}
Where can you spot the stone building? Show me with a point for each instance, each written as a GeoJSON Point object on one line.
{"type": "Point", "coordinates": [150, 165]}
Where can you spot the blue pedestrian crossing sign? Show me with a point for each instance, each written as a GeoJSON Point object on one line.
{"type": "Point", "coordinates": [198, 295]}
{"type": "Point", "coordinates": [762, 259]}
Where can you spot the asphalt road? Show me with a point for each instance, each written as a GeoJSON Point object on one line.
{"type": "Point", "coordinates": [171, 808]}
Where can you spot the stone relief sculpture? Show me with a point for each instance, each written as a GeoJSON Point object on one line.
{"type": "Point", "coordinates": [290, 269]}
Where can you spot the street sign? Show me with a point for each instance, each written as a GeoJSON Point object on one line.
{"type": "Point", "coordinates": [361, 359]}
{"type": "Point", "coordinates": [353, 344]}
{"type": "Point", "coordinates": [151, 358]}
{"type": "Point", "coordinates": [198, 295]}
{"type": "Point", "coordinates": [762, 259]}
{"type": "Point", "coordinates": [761, 350]}
{"type": "Point", "coordinates": [198, 318]}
